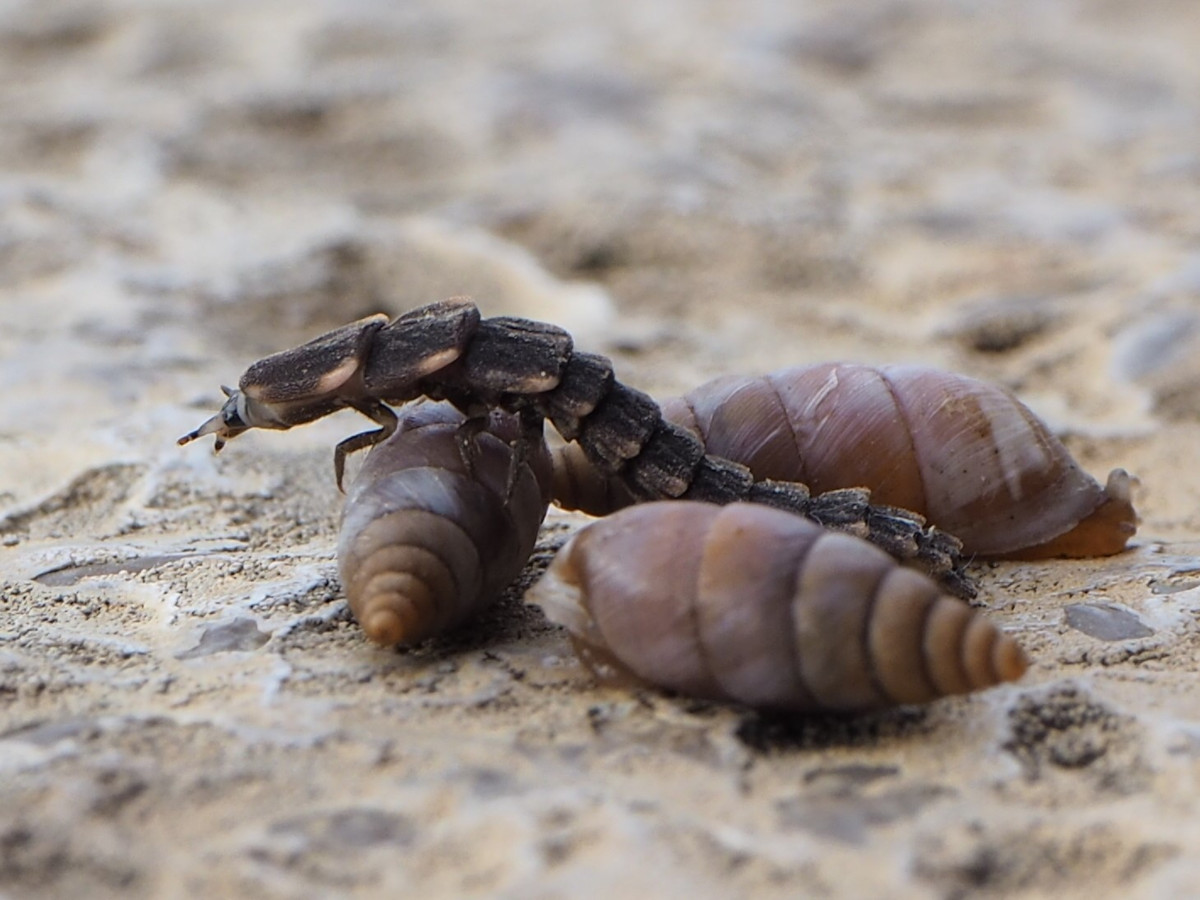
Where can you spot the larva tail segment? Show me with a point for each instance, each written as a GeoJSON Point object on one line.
{"type": "Point", "coordinates": [900, 532]}
{"type": "Point", "coordinates": [722, 481]}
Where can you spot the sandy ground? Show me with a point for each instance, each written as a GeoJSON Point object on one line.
{"type": "Point", "coordinates": [186, 709]}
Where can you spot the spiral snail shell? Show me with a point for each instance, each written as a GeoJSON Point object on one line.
{"type": "Point", "coordinates": [967, 455]}
{"type": "Point", "coordinates": [762, 607]}
{"type": "Point", "coordinates": [427, 538]}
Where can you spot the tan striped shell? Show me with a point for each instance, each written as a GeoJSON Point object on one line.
{"type": "Point", "coordinates": [965, 454]}
{"type": "Point", "coordinates": [425, 543]}
{"type": "Point", "coordinates": [762, 607]}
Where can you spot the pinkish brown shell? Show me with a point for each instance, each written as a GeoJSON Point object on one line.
{"type": "Point", "coordinates": [762, 607]}
{"type": "Point", "coordinates": [967, 455]}
{"type": "Point", "coordinates": [425, 543]}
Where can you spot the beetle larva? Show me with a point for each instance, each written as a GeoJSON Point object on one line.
{"type": "Point", "coordinates": [965, 454]}
{"type": "Point", "coordinates": [447, 351]}
{"type": "Point", "coordinates": [427, 538]}
{"type": "Point", "coordinates": [759, 606]}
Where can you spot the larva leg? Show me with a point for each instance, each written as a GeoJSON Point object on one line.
{"type": "Point", "coordinates": [464, 439]}
{"type": "Point", "coordinates": [530, 434]}
{"type": "Point", "coordinates": [376, 411]}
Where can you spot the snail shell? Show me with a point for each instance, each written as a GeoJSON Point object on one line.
{"type": "Point", "coordinates": [425, 543]}
{"type": "Point", "coordinates": [967, 455]}
{"type": "Point", "coordinates": [762, 607]}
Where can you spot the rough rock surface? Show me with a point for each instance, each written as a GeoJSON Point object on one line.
{"type": "Point", "coordinates": [1011, 189]}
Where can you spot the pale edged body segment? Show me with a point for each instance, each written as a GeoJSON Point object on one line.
{"type": "Point", "coordinates": [446, 350]}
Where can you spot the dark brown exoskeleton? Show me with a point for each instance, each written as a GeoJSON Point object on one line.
{"type": "Point", "coordinates": [446, 351]}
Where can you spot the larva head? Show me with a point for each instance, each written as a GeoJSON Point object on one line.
{"type": "Point", "coordinates": [243, 411]}
{"type": "Point", "coordinates": [296, 386]}
{"type": "Point", "coordinates": [228, 423]}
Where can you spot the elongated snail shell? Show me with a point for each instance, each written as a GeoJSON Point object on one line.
{"type": "Point", "coordinates": [762, 607]}
{"type": "Point", "coordinates": [967, 455]}
{"type": "Point", "coordinates": [424, 543]}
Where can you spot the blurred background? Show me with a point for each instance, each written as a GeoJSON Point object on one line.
{"type": "Point", "coordinates": [1010, 188]}
{"type": "Point", "coordinates": [695, 188]}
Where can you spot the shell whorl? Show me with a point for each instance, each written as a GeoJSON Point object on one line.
{"type": "Point", "coordinates": [425, 543]}
{"type": "Point", "coordinates": [965, 454]}
{"type": "Point", "coordinates": [761, 607]}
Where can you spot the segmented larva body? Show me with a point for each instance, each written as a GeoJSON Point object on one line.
{"type": "Point", "coordinates": [755, 605]}
{"type": "Point", "coordinates": [425, 541]}
{"type": "Point", "coordinates": [447, 351]}
{"type": "Point", "coordinates": [965, 454]}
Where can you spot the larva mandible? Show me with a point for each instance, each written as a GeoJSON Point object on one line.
{"type": "Point", "coordinates": [447, 351]}
{"type": "Point", "coordinates": [965, 454]}
{"type": "Point", "coordinates": [429, 538]}
{"type": "Point", "coordinates": [750, 604]}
